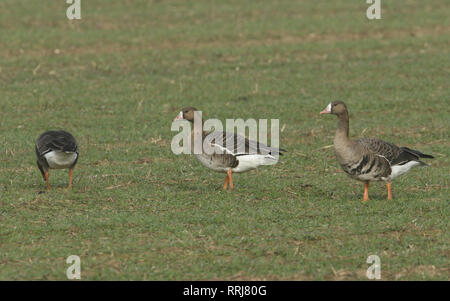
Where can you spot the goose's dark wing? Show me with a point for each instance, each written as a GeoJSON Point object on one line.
{"type": "Point", "coordinates": [394, 154]}
{"type": "Point", "coordinates": [388, 150]}
{"type": "Point", "coordinates": [236, 144]}
{"type": "Point", "coordinates": [56, 141]}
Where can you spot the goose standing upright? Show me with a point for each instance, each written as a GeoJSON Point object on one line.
{"type": "Point", "coordinates": [241, 156]}
{"type": "Point", "coordinates": [370, 159]}
{"type": "Point", "coordinates": [56, 150]}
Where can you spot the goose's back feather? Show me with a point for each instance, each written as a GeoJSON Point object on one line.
{"type": "Point", "coordinates": [388, 150]}
{"type": "Point", "coordinates": [394, 154]}
{"type": "Point", "coordinates": [56, 141]}
{"type": "Point", "coordinates": [237, 144]}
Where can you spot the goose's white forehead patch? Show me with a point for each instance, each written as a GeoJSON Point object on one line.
{"type": "Point", "coordinates": [329, 107]}
{"type": "Point", "coordinates": [179, 116]}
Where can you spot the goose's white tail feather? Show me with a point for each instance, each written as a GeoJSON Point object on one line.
{"type": "Point", "coordinates": [398, 170]}
{"type": "Point", "coordinates": [247, 162]}
{"type": "Point", "coordinates": [59, 160]}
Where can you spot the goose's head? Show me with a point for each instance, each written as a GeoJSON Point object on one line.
{"type": "Point", "coordinates": [186, 114]}
{"type": "Point", "coordinates": [336, 108]}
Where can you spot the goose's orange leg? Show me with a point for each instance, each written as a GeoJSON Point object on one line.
{"type": "Point", "coordinates": [70, 178]}
{"type": "Point", "coordinates": [388, 185]}
{"type": "Point", "coordinates": [230, 180]}
{"type": "Point", "coordinates": [366, 191]}
{"type": "Point", "coordinates": [47, 176]}
{"type": "Point", "coordinates": [225, 186]}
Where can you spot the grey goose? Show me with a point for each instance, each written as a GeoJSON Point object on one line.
{"type": "Point", "coordinates": [239, 156]}
{"type": "Point", "coordinates": [56, 150]}
{"type": "Point", "coordinates": [370, 159]}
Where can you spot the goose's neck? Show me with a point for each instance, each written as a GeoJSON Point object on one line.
{"type": "Point", "coordinates": [197, 127]}
{"type": "Point", "coordinates": [197, 132]}
{"type": "Point", "coordinates": [342, 131]}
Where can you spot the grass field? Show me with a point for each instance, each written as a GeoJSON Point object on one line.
{"type": "Point", "coordinates": [117, 78]}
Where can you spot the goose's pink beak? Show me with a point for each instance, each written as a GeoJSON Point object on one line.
{"type": "Point", "coordinates": [327, 110]}
{"type": "Point", "coordinates": [179, 116]}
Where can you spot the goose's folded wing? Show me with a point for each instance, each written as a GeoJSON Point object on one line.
{"type": "Point", "coordinates": [394, 154]}
{"type": "Point", "coordinates": [382, 148]}
{"type": "Point", "coordinates": [236, 144]}
{"type": "Point", "coordinates": [56, 141]}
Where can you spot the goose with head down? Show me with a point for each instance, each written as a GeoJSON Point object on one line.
{"type": "Point", "coordinates": [370, 159]}
{"type": "Point", "coordinates": [56, 150]}
{"type": "Point", "coordinates": [228, 152]}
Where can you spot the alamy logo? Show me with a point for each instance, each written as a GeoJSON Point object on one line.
{"type": "Point", "coordinates": [374, 271]}
{"type": "Point", "coordinates": [73, 271]}
{"type": "Point", "coordinates": [74, 10]}
{"type": "Point", "coordinates": [374, 11]}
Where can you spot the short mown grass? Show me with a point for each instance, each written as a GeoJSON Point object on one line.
{"type": "Point", "coordinates": [117, 78]}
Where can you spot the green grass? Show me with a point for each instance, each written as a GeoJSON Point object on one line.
{"type": "Point", "coordinates": [118, 77]}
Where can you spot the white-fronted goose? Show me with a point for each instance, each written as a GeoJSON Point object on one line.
{"type": "Point", "coordinates": [370, 159]}
{"type": "Point", "coordinates": [241, 156]}
{"type": "Point", "coordinates": [56, 150]}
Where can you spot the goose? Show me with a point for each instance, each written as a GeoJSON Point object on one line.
{"type": "Point", "coordinates": [370, 159]}
{"type": "Point", "coordinates": [56, 150]}
{"type": "Point", "coordinates": [243, 155]}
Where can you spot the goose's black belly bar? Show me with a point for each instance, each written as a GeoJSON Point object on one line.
{"type": "Point", "coordinates": [371, 167]}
